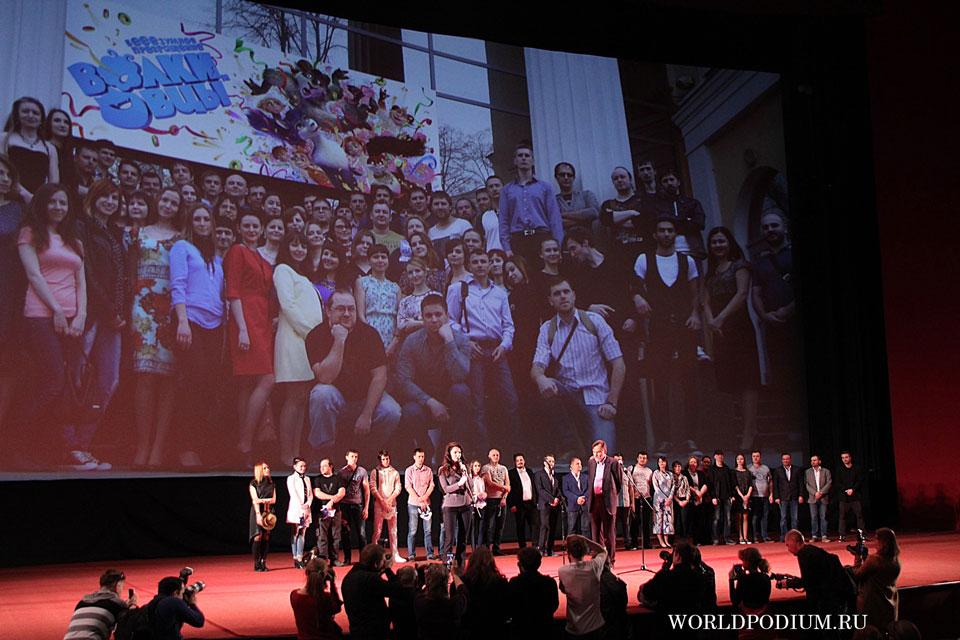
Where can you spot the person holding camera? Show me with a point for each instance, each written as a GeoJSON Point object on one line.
{"type": "Point", "coordinates": [317, 602]}
{"type": "Point", "coordinates": [876, 578]}
{"type": "Point", "coordinates": [97, 613]}
{"type": "Point", "coordinates": [441, 605]}
{"type": "Point", "coordinates": [175, 604]}
{"type": "Point", "coordinates": [680, 587]}
{"type": "Point", "coordinates": [580, 581]}
{"type": "Point", "coordinates": [750, 589]}
{"type": "Point", "coordinates": [828, 586]}
{"type": "Point", "coordinates": [365, 588]}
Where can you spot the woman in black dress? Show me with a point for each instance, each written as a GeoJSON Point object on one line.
{"type": "Point", "coordinates": [263, 495]}
{"type": "Point", "coordinates": [35, 158]}
{"type": "Point", "coordinates": [744, 489]}
{"type": "Point", "coordinates": [736, 362]}
{"type": "Point", "coordinates": [56, 130]}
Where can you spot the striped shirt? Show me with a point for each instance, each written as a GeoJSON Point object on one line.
{"type": "Point", "coordinates": [583, 366]}
{"type": "Point", "coordinates": [95, 616]}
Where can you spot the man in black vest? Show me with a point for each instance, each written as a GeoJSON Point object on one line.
{"type": "Point", "coordinates": [666, 296]}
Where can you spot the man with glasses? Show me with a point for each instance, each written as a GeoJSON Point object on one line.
{"type": "Point", "coordinates": [350, 366]}
{"type": "Point", "coordinates": [579, 209]}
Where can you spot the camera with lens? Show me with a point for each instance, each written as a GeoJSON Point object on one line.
{"type": "Point", "coordinates": [859, 550]}
{"type": "Point", "coordinates": [786, 581]}
{"type": "Point", "coordinates": [194, 588]}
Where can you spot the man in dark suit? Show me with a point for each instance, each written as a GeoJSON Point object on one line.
{"type": "Point", "coordinates": [722, 480]}
{"type": "Point", "coordinates": [787, 493]}
{"type": "Point", "coordinates": [533, 597]}
{"type": "Point", "coordinates": [605, 481]}
{"type": "Point", "coordinates": [548, 503]}
{"type": "Point", "coordinates": [522, 499]}
{"type": "Point", "coordinates": [577, 493]}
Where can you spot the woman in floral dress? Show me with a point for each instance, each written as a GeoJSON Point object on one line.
{"type": "Point", "coordinates": [380, 300]}
{"type": "Point", "coordinates": [663, 488]}
{"type": "Point", "coordinates": [152, 326]}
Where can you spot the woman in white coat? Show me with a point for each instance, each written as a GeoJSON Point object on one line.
{"type": "Point", "coordinates": [300, 311]}
{"type": "Point", "coordinates": [298, 512]}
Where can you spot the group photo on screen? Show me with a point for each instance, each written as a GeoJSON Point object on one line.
{"type": "Point", "coordinates": [300, 258]}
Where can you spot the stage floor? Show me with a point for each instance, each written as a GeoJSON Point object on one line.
{"type": "Point", "coordinates": [36, 602]}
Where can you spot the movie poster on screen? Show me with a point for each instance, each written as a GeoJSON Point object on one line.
{"type": "Point", "coordinates": [164, 87]}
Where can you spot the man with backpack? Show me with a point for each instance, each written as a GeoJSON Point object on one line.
{"type": "Point", "coordinates": [579, 370]}
{"type": "Point", "coordinates": [164, 616]}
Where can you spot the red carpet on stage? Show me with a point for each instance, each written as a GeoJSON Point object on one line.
{"type": "Point", "coordinates": [37, 602]}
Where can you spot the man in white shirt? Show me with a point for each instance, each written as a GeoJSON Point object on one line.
{"type": "Point", "coordinates": [580, 582]}
{"type": "Point", "coordinates": [522, 499]}
{"type": "Point", "coordinates": [667, 295]}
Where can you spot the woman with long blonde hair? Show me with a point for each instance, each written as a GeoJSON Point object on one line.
{"type": "Point", "coordinates": [263, 495]}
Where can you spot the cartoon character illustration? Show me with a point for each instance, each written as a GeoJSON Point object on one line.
{"type": "Point", "coordinates": [326, 153]}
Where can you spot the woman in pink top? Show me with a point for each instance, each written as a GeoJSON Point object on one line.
{"type": "Point", "coordinates": [55, 307]}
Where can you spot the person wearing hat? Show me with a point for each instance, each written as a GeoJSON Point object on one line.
{"type": "Point", "coordinates": [97, 613]}
{"type": "Point", "coordinates": [263, 494]}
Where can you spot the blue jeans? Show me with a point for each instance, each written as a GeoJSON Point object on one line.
{"type": "Point", "coordinates": [417, 419]}
{"type": "Point", "coordinates": [328, 408]}
{"type": "Point", "coordinates": [761, 516]}
{"type": "Point", "coordinates": [491, 378]}
{"type": "Point", "coordinates": [53, 355]}
{"type": "Point", "coordinates": [577, 422]}
{"type": "Point", "coordinates": [791, 506]}
{"type": "Point", "coordinates": [722, 509]}
{"type": "Point", "coordinates": [413, 523]}
{"type": "Point", "coordinates": [818, 518]}
{"type": "Point", "coordinates": [101, 345]}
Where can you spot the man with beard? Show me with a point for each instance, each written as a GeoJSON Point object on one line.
{"type": "Point", "coordinates": [688, 213]}
{"type": "Point", "coordinates": [447, 225]}
{"type": "Point", "coordinates": [775, 303]}
{"type": "Point", "coordinates": [667, 295]}
{"type": "Point", "coordinates": [630, 226]}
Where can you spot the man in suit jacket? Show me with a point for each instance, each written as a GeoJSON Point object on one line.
{"type": "Point", "coordinates": [818, 482]}
{"type": "Point", "coordinates": [576, 491]}
{"type": "Point", "coordinates": [604, 479]}
{"type": "Point", "coordinates": [522, 499]}
{"type": "Point", "coordinates": [548, 503]}
{"type": "Point", "coordinates": [787, 493]}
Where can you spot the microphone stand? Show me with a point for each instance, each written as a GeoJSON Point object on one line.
{"type": "Point", "coordinates": [643, 547]}
{"type": "Point", "coordinates": [563, 527]}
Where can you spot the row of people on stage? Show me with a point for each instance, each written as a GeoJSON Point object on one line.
{"type": "Point", "coordinates": [166, 280]}
{"type": "Point", "coordinates": [705, 497]}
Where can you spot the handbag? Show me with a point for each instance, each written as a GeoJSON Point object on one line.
{"type": "Point", "coordinates": [80, 401]}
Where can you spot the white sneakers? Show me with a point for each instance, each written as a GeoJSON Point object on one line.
{"type": "Point", "coordinates": [398, 559]}
{"type": "Point", "coordinates": [83, 461]}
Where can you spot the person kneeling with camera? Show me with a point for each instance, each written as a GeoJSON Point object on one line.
{"type": "Point", "coordinates": [830, 589]}
{"type": "Point", "coordinates": [176, 604]}
{"type": "Point", "coordinates": [317, 602]}
{"type": "Point", "coordinates": [680, 587]}
{"type": "Point", "coordinates": [750, 588]}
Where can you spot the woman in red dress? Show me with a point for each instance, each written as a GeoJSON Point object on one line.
{"type": "Point", "coordinates": [250, 333]}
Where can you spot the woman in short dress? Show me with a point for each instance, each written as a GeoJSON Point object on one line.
{"type": "Point", "coordinates": [663, 490]}
{"type": "Point", "coordinates": [741, 506]}
{"type": "Point", "coordinates": [152, 326]}
{"type": "Point", "coordinates": [263, 497]}
{"type": "Point", "coordinates": [736, 363]}
{"type": "Point", "coordinates": [380, 301]}
{"type": "Point", "coordinates": [300, 311]}
{"type": "Point", "coordinates": [249, 290]}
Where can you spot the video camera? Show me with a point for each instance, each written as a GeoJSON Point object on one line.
{"type": "Point", "coordinates": [859, 550]}
{"type": "Point", "coordinates": [194, 588]}
{"type": "Point", "coordinates": [786, 581]}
